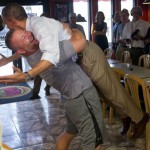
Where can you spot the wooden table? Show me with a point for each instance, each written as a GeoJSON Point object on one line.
{"type": "Point", "coordinates": [135, 70]}
{"type": "Point", "coordinates": [113, 61]}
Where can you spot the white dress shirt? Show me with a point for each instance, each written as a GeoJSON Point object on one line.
{"type": "Point", "coordinates": [48, 32]}
{"type": "Point", "coordinates": [130, 27]}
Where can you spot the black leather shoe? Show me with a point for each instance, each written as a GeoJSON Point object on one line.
{"type": "Point", "coordinates": [47, 93]}
{"type": "Point", "coordinates": [34, 96]}
{"type": "Point", "coordinates": [126, 125]}
{"type": "Point", "coordinates": [140, 127]}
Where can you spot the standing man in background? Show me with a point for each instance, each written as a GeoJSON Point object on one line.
{"type": "Point", "coordinates": [73, 24]}
{"type": "Point", "coordinates": [136, 31]}
{"type": "Point", "coordinates": [124, 14]}
{"type": "Point", "coordinates": [117, 22]}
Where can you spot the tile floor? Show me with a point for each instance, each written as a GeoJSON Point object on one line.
{"type": "Point", "coordinates": [35, 125]}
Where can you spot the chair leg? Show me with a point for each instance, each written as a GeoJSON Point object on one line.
{"type": "Point", "coordinates": [104, 109]}
{"type": "Point", "coordinates": [148, 136]}
{"type": "Point", "coordinates": [111, 118]}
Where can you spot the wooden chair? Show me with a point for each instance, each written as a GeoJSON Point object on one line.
{"type": "Point", "coordinates": [125, 57]}
{"type": "Point", "coordinates": [132, 84]}
{"type": "Point", "coordinates": [108, 53]}
{"type": "Point", "coordinates": [144, 61]}
{"type": "Point", "coordinates": [120, 76]}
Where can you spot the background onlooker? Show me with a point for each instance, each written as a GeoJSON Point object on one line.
{"type": "Point", "coordinates": [117, 21]}
{"type": "Point", "coordinates": [98, 31]}
{"type": "Point", "coordinates": [73, 24]}
{"type": "Point", "coordinates": [136, 31]}
{"type": "Point", "coordinates": [146, 49]}
{"type": "Point", "coordinates": [124, 15]}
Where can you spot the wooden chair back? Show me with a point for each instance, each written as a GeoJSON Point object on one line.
{"type": "Point", "coordinates": [108, 53]}
{"type": "Point", "coordinates": [144, 61]}
{"type": "Point", "coordinates": [125, 57]}
{"type": "Point", "coordinates": [132, 84]}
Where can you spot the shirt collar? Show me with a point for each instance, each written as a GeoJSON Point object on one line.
{"type": "Point", "coordinates": [28, 24]}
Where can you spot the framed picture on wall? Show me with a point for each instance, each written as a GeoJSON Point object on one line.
{"type": "Point", "coordinates": [61, 12]}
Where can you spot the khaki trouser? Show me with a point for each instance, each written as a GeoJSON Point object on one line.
{"type": "Point", "coordinates": [95, 65]}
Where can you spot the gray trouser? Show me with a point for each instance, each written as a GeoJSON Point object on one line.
{"type": "Point", "coordinates": [84, 116]}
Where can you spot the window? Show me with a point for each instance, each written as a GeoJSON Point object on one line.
{"type": "Point", "coordinates": [81, 7]}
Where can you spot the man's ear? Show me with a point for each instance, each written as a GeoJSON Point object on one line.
{"type": "Point", "coordinates": [13, 22]}
{"type": "Point", "coordinates": [20, 51]}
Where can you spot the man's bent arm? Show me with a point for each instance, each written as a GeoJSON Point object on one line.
{"type": "Point", "coordinates": [40, 67]}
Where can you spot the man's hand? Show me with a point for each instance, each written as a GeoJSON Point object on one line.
{"type": "Point", "coordinates": [17, 77]}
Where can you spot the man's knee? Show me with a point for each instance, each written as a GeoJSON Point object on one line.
{"type": "Point", "coordinates": [64, 140]}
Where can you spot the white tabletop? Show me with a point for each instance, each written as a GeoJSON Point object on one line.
{"type": "Point", "coordinates": [135, 70]}
{"type": "Point", "coordinates": [113, 61]}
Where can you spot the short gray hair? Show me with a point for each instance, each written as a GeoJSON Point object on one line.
{"type": "Point", "coordinates": [72, 15]}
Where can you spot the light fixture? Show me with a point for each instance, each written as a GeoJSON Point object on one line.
{"type": "Point", "coordinates": [79, 18]}
{"type": "Point", "coordinates": [146, 2]}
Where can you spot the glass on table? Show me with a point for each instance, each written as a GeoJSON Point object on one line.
{"type": "Point", "coordinates": [129, 65]}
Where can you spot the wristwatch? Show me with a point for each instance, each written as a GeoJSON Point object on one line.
{"type": "Point", "coordinates": [28, 77]}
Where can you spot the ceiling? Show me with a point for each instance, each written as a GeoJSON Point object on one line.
{"type": "Point", "coordinates": [23, 2]}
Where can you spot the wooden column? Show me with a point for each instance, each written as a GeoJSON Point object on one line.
{"type": "Point", "coordinates": [145, 9]}
{"type": "Point", "coordinates": [94, 9]}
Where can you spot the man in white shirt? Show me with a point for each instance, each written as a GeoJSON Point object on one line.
{"type": "Point", "coordinates": [73, 24]}
{"type": "Point", "coordinates": [136, 31]}
{"type": "Point", "coordinates": [124, 15]}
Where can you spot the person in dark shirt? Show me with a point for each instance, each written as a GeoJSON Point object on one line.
{"type": "Point", "coordinates": [98, 31]}
{"type": "Point", "coordinates": [73, 24]}
{"type": "Point", "coordinates": [147, 42]}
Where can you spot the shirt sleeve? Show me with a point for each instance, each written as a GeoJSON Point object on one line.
{"type": "Point", "coordinates": [47, 35]}
{"type": "Point", "coordinates": [124, 33]}
{"type": "Point", "coordinates": [67, 50]}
